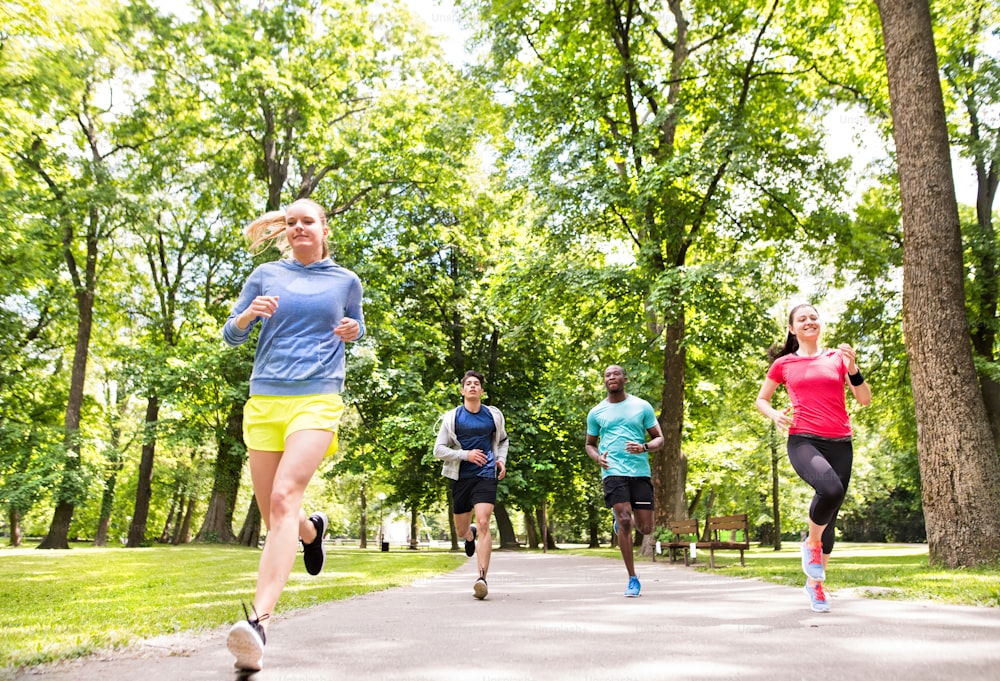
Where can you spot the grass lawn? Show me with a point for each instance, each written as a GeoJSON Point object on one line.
{"type": "Point", "coordinates": [62, 604]}
{"type": "Point", "coordinates": [898, 571]}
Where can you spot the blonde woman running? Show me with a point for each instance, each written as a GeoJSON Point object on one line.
{"type": "Point", "coordinates": [307, 307]}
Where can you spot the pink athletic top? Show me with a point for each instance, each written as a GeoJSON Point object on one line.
{"type": "Point", "coordinates": [816, 389]}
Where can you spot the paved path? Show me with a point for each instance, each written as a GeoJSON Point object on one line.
{"type": "Point", "coordinates": [555, 617]}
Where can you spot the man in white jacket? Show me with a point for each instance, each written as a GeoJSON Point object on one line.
{"type": "Point", "coordinates": [472, 442]}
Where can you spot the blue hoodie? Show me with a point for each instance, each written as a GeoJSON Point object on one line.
{"type": "Point", "coordinates": [297, 351]}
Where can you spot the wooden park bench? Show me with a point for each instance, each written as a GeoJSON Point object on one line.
{"type": "Point", "coordinates": [714, 528]}
{"type": "Point", "coordinates": [685, 533]}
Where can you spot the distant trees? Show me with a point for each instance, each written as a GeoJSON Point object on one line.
{"type": "Point", "coordinates": [648, 186]}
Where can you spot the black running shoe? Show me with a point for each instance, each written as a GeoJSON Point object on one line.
{"type": "Point", "coordinates": [314, 553]}
{"type": "Point", "coordinates": [246, 642]}
{"type": "Point", "coordinates": [470, 544]}
{"type": "Point", "coordinates": [479, 589]}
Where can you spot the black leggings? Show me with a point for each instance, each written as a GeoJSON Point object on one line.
{"type": "Point", "coordinates": [826, 466]}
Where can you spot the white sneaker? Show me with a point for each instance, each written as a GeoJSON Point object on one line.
{"type": "Point", "coordinates": [246, 643]}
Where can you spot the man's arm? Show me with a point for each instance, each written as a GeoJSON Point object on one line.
{"type": "Point", "coordinates": [593, 453]}
{"type": "Point", "coordinates": [657, 438]}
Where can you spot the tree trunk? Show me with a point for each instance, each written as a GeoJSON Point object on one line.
{"type": "Point", "coordinates": [593, 527]}
{"type": "Point", "coordinates": [175, 531]}
{"type": "Point", "coordinates": [530, 530]}
{"type": "Point", "coordinates": [167, 534]}
{"type": "Point", "coordinates": [250, 532]}
{"type": "Point", "coordinates": [988, 287]}
{"type": "Point", "coordinates": [363, 525]}
{"type": "Point", "coordinates": [58, 535]}
{"type": "Point", "coordinates": [414, 537]}
{"type": "Point", "coordinates": [144, 485]}
{"type": "Point", "coordinates": [218, 523]}
{"type": "Point", "coordinates": [14, 519]}
{"type": "Point", "coordinates": [508, 538]}
{"type": "Point", "coordinates": [775, 502]}
{"type": "Point", "coordinates": [184, 532]}
{"type": "Point", "coordinates": [215, 528]}
{"type": "Point", "coordinates": [107, 504]}
{"type": "Point", "coordinates": [550, 541]}
{"type": "Point", "coordinates": [669, 465]}
{"type": "Point", "coordinates": [959, 468]}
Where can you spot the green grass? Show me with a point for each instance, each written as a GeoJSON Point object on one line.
{"type": "Point", "coordinates": [894, 571]}
{"type": "Point", "coordinates": [62, 604]}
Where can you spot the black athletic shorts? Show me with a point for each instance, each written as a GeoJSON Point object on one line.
{"type": "Point", "coordinates": [620, 489]}
{"type": "Point", "coordinates": [467, 492]}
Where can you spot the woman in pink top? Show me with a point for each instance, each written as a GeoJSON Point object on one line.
{"type": "Point", "coordinates": [819, 430]}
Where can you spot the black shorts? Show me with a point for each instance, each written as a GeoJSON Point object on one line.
{"type": "Point", "coordinates": [620, 489]}
{"type": "Point", "coordinates": [467, 492]}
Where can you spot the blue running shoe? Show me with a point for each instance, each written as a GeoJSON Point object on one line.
{"type": "Point", "coordinates": [633, 587]}
{"type": "Point", "coordinates": [615, 516]}
{"type": "Point", "coordinates": [812, 561]}
{"type": "Point", "coordinates": [817, 599]}
{"type": "Point", "coordinates": [470, 544]}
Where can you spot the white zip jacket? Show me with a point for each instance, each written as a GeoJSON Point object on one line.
{"type": "Point", "coordinates": [448, 449]}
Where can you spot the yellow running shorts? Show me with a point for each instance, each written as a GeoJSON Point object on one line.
{"type": "Point", "coordinates": [268, 420]}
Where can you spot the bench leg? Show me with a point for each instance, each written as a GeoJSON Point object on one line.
{"type": "Point", "coordinates": [711, 558]}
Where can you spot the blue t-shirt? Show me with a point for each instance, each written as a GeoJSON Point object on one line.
{"type": "Point", "coordinates": [616, 423]}
{"type": "Point", "coordinates": [475, 431]}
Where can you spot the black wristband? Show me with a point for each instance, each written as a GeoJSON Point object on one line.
{"type": "Point", "coordinates": [856, 379]}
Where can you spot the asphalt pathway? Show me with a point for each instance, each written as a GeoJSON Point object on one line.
{"type": "Point", "coordinates": [556, 617]}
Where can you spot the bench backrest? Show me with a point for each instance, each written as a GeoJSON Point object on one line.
{"type": "Point", "coordinates": [684, 527]}
{"type": "Point", "coordinates": [728, 522]}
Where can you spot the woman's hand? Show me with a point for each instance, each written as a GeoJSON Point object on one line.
{"type": "Point", "coordinates": [348, 329]}
{"type": "Point", "coordinates": [261, 306]}
{"type": "Point", "coordinates": [783, 419]}
{"type": "Point", "coordinates": [850, 356]}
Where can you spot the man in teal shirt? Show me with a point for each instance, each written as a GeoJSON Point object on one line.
{"type": "Point", "coordinates": [616, 439]}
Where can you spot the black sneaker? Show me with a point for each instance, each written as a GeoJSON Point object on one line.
{"type": "Point", "coordinates": [470, 544]}
{"type": "Point", "coordinates": [479, 589]}
{"type": "Point", "coordinates": [246, 642]}
{"type": "Point", "coordinates": [314, 553]}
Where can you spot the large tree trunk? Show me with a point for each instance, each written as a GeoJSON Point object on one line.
{"type": "Point", "coordinates": [530, 530]}
{"type": "Point", "coordinates": [14, 519]}
{"type": "Point", "coordinates": [414, 531]}
{"type": "Point", "coordinates": [960, 471]}
{"type": "Point", "coordinates": [508, 539]}
{"type": "Point", "coordinates": [669, 465]}
{"type": "Point", "coordinates": [218, 523]}
{"type": "Point", "coordinates": [144, 485]}
{"type": "Point", "coordinates": [250, 532]}
{"type": "Point", "coordinates": [58, 535]}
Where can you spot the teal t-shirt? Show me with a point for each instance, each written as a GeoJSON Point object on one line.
{"type": "Point", "coordinates": [616, 423]}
